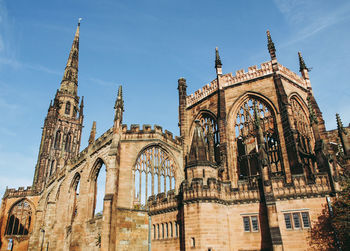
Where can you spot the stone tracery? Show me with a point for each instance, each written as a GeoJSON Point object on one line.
{"type": "Point", "coordinates": [154, 172]}
{"type": "Point", "coordinates": [246, 138]}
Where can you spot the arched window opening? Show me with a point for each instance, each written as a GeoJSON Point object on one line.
{"type": "Point", "coordinates": [304, 138]}
{"type": "Point", "coordinates": [211, 135]}
{"type": "Point", "coordinates": [67, 111]}
{"type": "Point", "coordinates": [57, 140]}
{"type": "Point", "coordinates": [52, 166]}
{"type": "Point", "coordinates": [68, 142]}
{"type": "Point", "coordinates": [76, 190]}
{"type": "Point", "coordinates": [20, 218]}
{"type": "Point", "coordinates": [246, 137]}
{"type": "Point", "coordinates": [154, 172]}
{"type": "Point", "coordinates": [100, 186]}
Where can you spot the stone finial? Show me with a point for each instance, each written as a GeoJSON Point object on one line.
{"type": "Point", "coordinates": [312, 115]}
{"type": "Point", "coordinates": [182, 82]}
{"type": "Point", "coordinates": [339, 124]}
{"type": "Point", "coordinates": [302, 65]}
{"type": "Point", "coordinates": [119, 105]}
{"type": "Point", "coordinates": [198, 151]}
{"type": "Point", "coordinates": [270, 45]}
{"type": "Point", "coordinates": [81, 109]}
{"type": "Point", "coordinates": [92, 133]}
{"type": "Point", "coordinates": [218, 63]}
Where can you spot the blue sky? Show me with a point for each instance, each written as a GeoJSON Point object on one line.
{"type": "Point", "coordinates": [146, 46]}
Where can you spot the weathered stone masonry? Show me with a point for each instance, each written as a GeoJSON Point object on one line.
{"type": "Point", "coordinates": [251, 170]}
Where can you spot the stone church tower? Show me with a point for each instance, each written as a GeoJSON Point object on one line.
{"type": "Point", "coordinates": [61, 134]}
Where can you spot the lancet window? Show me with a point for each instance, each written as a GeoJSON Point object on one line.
{"type": "Point", "coordinates": [211, 133]}
{"type": "Point", "coordinates": [246, 138]}
{"type": "Point", "coordinates": [304, 137]}
{"type": "Point", "coordinates": [20, 219]}
{"type": "Point", "coordinates": [67, 111]}
{"type": "Point", "coordinates": [154, 172]}
{"type": "Point", "coordinates": [75, 188]}
{"type": "Point", "coordinates": [58, 139]}
{"type": "Point", "coordinates": [68, 142]}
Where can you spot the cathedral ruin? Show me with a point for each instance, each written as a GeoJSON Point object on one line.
{"type": "Point", "coordinates": [252, 169]}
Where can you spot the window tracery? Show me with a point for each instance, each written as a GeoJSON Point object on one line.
{"type": "Point", "coordinates": [20, 219]}
{"type": "Point", "coordinates": [304, 136]}
{"type": "Point", "coordinates": [211, 133]}
{"type": "Point", "coordinates": [247, 142]}
{"type": "Point", "coordinates": [154, 172]}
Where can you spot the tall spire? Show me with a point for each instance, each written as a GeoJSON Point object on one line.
{"type": "Point", "coordinates": [271, 45]}
{"type": "Point", "coordinates": [119, 105]}
{"type": "Point", "coordinates": [218, 64]}
{"type": "Point", "coordinates": [69, 82]}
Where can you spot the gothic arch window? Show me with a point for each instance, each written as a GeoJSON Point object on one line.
{"type": "Point", "coordinates": [68, 142]}
{"type": "Point", "coordinates": [67, 111]}
{"type": "Point", "coordinates": [20, 219]}
{"type": "Point", "coordinates": [52, 166]}
{"type": "Point", "coordinates": [304, 137]}
{"type": "Point", "coordinates": [75, 188]}
{"type": "Point", "coordinates": [210, 127]}
{"type": "Point", "coordinates": [246, 138]}
{"type": "Point", "coordinates": [154, 172]}
{"type": "Point", "coordinates": [99, 184]}
{"type": "Point", "coordinates": [58, 139]}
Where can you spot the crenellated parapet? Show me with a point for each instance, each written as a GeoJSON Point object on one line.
{"type": "Point", "coordinates": [242, 76]}
{"type": "Point", "coordinates": [284, 71]}
{"type": "Point", "coordinates": [301, 188]}
{"type": "Point", "coordinates": [163, 202]}
{"type": "Point", "coordinates": [136, 132]}
{"type": "Point", "coordinates": [20, 192]}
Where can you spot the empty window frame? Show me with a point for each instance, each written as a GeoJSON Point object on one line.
{"type": "Point", "coordinates": [297, 220]}
{"type": "Point", "coordinates": [251, 223]}
{"type": "Point", "coordinates": [154, 172]}
{"type": "Point", "coordinates": [19, 220]}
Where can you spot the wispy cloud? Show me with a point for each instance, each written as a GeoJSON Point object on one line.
{"type": "Point", "coordinates": [101, 82]}
{"type": "Point", "coordinates": [309, 18]}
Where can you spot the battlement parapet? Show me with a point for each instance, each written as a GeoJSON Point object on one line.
{"type": "Point", "coordinates": [301, 188]}
{"type": "Point", "coordinates": [149, 132]}
{"type": "Point", "coordinates": [163, 202]}
{"type": "Point", "coordinates": [20, 192]}
{"type": "Point", "coordinates": [240, 77]}
{"type": "Point", "coordinates": [292, 75]}
{"type": "Point", "coordinates": [202, 93]}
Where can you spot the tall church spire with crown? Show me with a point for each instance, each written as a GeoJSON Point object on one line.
{"type": "Point", "coordinates": [62, 128]}
{"type": "Point", "coordinates": [69, 82]}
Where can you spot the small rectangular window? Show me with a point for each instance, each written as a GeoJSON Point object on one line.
{"type": "Point", "coordinates": [193, 242]}
{"type": "Point", "coordinates": [246, 224]}
{"type": "Point", "coordinates": [306, 221]}
{"type": "Point", "coordinates": [255, 225]}
{"type": "Point", "coordinates": [287, 220]}
{"type": "Point", "coordinates": [296, 219]}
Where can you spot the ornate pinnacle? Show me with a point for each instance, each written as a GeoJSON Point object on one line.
{"type": "Point", "coordinates": [92, 133]}
{"type": "Point", "coordinates": [302, 64]}
{"type": "Point", "coordinates": [339, 124]}
{"type": "Point", "coordinates": [312, 115]}
{"type": "Point", "coordinates": [271, 45]}
{"type": "Point", "coordinates": [218, 63]}
{"type": "Point", "coordinates": [119, 105]}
